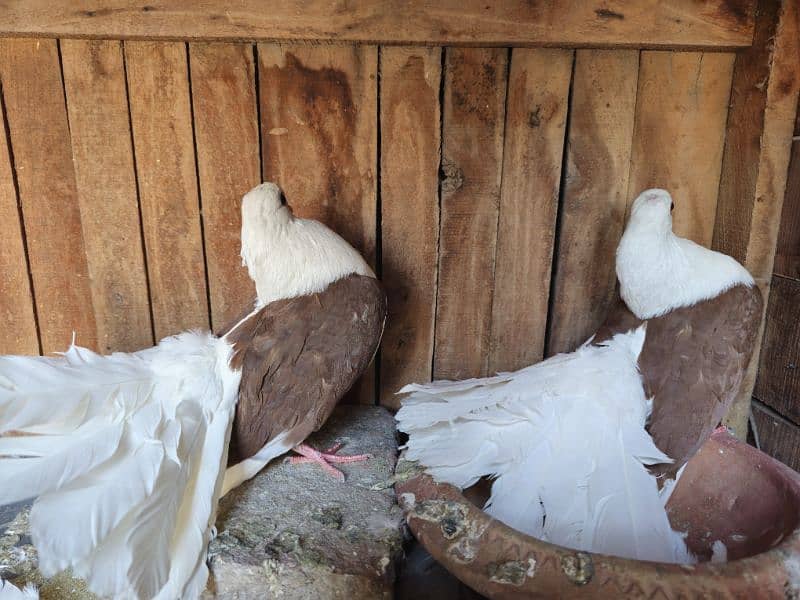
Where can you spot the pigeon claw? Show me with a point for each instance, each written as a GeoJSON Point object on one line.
{"type": "Point", "coordinates": [324, 459]}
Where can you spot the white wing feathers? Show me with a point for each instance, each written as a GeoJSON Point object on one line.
{"type": "Point", "coordinates": [133, 448]}
{"type": "Point", "coordinates": [564, 440]}
{"type": "Point", "coordinates": [8, 591]}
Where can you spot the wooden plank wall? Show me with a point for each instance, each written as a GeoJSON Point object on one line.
{"type": "Point", "coordinates": [488, 186]}
{"type": "Point", "coordinates": [776, 403]}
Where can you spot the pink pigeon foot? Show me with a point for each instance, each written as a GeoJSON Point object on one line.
{"type": "Point", "coordinates": [323, 459]}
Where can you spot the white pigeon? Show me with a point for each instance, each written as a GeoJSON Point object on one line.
{"type": "Point", "coordinates": [126, 453]}
{"type": "Point", "coordinates": [565, 439]}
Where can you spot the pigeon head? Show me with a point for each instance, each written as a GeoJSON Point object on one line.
{"type": "Point", "coordinates": [659, 271]}
{"type": "Point", "coordinates": [652, 209]}
{"type": "Point", "coordinates": [265, 204]}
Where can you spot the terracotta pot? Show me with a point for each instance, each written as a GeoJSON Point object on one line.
{"type": "Point", "coordinates": [729, 492]}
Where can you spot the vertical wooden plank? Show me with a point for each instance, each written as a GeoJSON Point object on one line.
{"type": "Point", "coordinates": [778, 381]}
{"type": "Point", "coordinates": [787, 256]}
{"type": "Point", "coordinates": [40, 142]}
{"type": "Point", "coordinates": [18, 334]}
{"type": "Point", "coordinates": [781, 91]}
{"type": "Point", "coordinates": [472, 147]}
{"type": "Point", "coordinates": [97, 105]}
{"type": "Point", "coordinates": [595, 193]}
{"type": "Point", "coordinates": [536, 114]}
{"type": "Point", "coordinates": [777, 436]}
{"type": "Point", "coordinates": [742, 140]}
{"type": "Point", "coordinates": [410, 152]}
{"type": "Point", "coordinates": [229, 164]}
{"type": "Point", "coordinates": [158, 85]}
{"type": "Point", "coordinates": [682, 106]}
{"type": "Point", "coordinates": [319, 140]}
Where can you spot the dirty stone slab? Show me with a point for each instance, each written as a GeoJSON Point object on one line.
{"type": "Point", "coordinates": [291, 533]}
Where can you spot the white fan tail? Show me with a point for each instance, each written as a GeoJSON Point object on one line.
{"type": "Point", "coordinates": [126, 455]}
{"type": "Point", "coordinates": [8, 591]}
{"type": "Point", "coordinates": [565, 442]}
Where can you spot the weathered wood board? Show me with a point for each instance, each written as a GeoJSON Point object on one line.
{"type": "Point", "coordinates": [16, 302]}
{"type": "Point", "coordinates": [595, 194]}
{"type": "Point", "coordinates": [161, 116]}
{"type": "Point", "coordinates": [665, 23]}
{"type": "Point", "coordinates": [36, 115]}
{"type": "Point", "coordinates": [777, 436]}
{"type": "Point", "coordinates": [536, 116]}
{"type": "Point", "coordinates": [410, 146]}
{"type": "Point", "coordinates": [97, 103]}
{"type": "Point", "coordinates": [681, 112]}
{"type": "Point", "coordinates": [473, 117]}
{"type": "Point", "coordinates": [778, 381]}
{"type": "Point", "coordinates": [228, 165]}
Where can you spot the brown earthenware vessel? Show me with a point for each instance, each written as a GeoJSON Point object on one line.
{"type": "Point", "coordinates": [729, 492]}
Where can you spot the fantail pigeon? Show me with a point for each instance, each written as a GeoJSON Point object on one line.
{"type": "Point", "coordinates": [565, 439]}
{"type": "Point", "coordinates": [126, 453]}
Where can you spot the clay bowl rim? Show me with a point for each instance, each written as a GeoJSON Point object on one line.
{"type": "Point", "coordinates": [500, 562]}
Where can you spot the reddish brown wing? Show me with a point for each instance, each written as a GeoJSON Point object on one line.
{"type": "Point", "coordinates": [692, 364]}
{"type": "Point", "coordinates": [299, 357]}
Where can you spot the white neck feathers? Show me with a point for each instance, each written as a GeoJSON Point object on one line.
{"type": "Point", "coordinates": [289, 257]}
{"type": "Point", "coordinates": [659, 272]}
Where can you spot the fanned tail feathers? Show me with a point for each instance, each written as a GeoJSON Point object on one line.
{"type": "Point", "coordinates": [132, 447]}
{"type": "Point", "coordinates": [565, 443]}
{"type": "Point", "coordinates": [8, 591]}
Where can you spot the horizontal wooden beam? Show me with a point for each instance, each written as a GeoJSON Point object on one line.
{"type": "Point", "coordinates": [570, 23]}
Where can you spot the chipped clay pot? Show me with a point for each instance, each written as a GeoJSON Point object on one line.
{"type": "Point", "coordinates": [729, 491]}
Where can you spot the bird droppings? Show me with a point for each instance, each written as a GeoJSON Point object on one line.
{"type": "Point", "coordinates": [293, 532]}
{"type": "Point", "coordinates": [407, 501]}
{"type": "Point", "coordinates": [450, 515]}
{"type": "Point", "coordinates": [578, 567]}
{"type": "Point", "coordinates": [512, 572]}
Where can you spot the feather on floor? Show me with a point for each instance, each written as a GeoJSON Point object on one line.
{"type": "Point", "coordinates": [564, 441]}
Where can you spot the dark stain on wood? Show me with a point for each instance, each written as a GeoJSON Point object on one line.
{"type": "Point", "coordinates": [314, 96]}
{"type": "Point", "coordinates": [605, 13]}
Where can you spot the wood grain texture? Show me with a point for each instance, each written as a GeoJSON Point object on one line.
{"type": "Point", "coordinates": [165, 164]}
{"type": "Point", "coordinates": [742, 139]}
{"type": "Point", "coordinates": [782, 91]}
{"type": "Point", "coordinates": [778, 381]}
{"type": "Point", "coordinates": [410, 155]}
{"type": "Point", "coordinates": [595, 194]}
{"type": "Point", "coordinates": [536, 115]}
{"type": "Point", "coordinates": [472, 147]}
{"type": "Point", "coordinates": [777, 436]}
{"type": "Point", "coordinates": [787, 254]}
{"type": "Point", "coordinates": [16, 301]}
{"type": "Point", "coordinates": [650, 23]}
{"type": "Point", "coordinates": [102, 152]}
{"type": "Point", "coordinates": [682, 107]}
{"type": "Point", "coordinates": [40, 143]}
{"type": "Point", "coordinates": [319, 141]}
{"type": "Point", "coordinates": [229, 164]}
